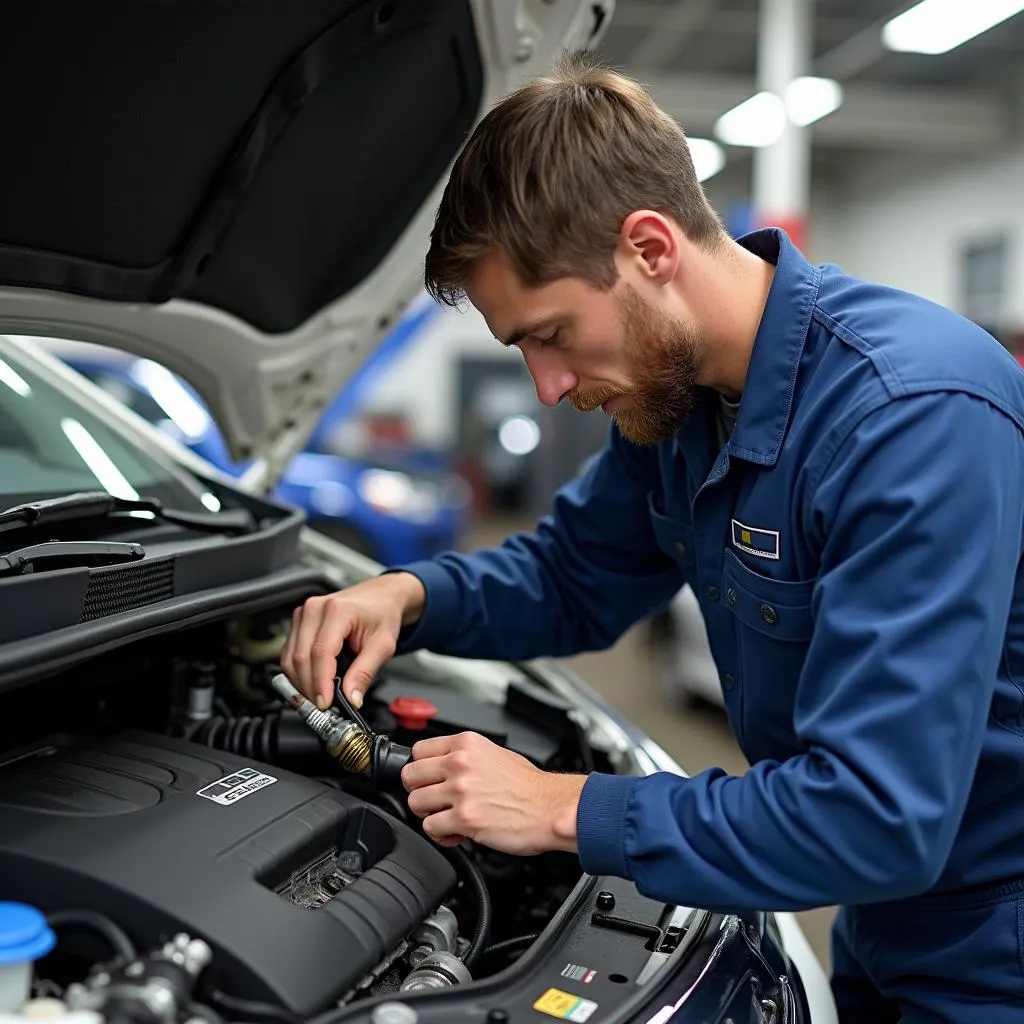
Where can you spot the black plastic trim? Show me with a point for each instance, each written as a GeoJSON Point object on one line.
{"type": "Point", "coordinates": [41, 604]}
{"type": "Point", "coordinates": [27, 660]}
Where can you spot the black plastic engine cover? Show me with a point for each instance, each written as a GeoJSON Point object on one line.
{"type": "Point", "coordinates": [164, 836]}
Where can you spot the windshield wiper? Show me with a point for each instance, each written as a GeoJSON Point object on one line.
{"type": "Point", "coordinates": [69, 554]}
{"type": "Point", "coordinates": [85, 505]}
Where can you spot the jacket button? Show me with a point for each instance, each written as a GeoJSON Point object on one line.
{"type": "Point", "coordinates": [769, 614]}
{"type": "Point", "coordinates": [730, 596]}
{"type": "Point", "coordinates": [728, 680]}
{"type": "Point", "coordinates": [680, 547]}
{"type": "Point", "coordinates": [712, 592]}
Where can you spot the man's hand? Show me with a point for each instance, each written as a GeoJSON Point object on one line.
{"type": "Point", "coordinates": [466, 786]}
{"type": "Point", "coordinates": [368, 617]}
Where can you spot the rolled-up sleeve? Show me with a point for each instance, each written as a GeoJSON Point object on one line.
{"type": "Point", "coordinates": [918, 505]}
{"type": "Point", "coordinates": [590, 570]}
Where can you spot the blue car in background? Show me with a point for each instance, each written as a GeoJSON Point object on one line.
{"type": "Point", "coordinates": [394, 502]}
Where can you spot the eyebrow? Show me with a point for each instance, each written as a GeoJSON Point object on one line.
{"type": "Point", "coordinates": [525, 331]}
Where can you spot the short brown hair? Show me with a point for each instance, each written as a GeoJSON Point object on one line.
{"type": "Point", "coordinates": [551, 172]}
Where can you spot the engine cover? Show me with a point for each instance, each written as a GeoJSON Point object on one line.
{"type": "Point", "coordinates": [163, 836]}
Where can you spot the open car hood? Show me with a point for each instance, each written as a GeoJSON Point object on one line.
{"type": "Point", "coordinates": [243, 191]}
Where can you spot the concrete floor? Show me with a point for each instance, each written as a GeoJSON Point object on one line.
{"type": "Point", "coordinates": [696, 738]}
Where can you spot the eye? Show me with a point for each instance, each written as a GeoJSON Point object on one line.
{"type": "Point", "coordinates": [552, 339]}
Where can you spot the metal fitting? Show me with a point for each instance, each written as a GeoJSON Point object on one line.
{"type": "Point", "coordinates": [439, 932]}
{"type": "Point", "coordinates": [439, 970]}
{"type": "Point", "coordinates": [193, 955]}
{"type": "Point", "coordinates": [349, 745]}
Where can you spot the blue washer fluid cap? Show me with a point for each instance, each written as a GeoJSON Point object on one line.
{"type": "Point", "coordinates": [24, 934]}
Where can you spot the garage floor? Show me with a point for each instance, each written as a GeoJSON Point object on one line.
{"type": "Point", "coordinates": [697, 739]}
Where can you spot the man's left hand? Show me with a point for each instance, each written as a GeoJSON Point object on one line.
{"type": "Point", "coordinates": [466, 786]}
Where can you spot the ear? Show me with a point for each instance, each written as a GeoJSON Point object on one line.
{"type": "Point", "coordinates": [648, 243]}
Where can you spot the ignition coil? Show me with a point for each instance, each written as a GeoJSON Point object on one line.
{"type": "Point", "coordinates": [351, 742]}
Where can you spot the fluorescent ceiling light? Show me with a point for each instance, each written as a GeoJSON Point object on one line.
{"type": "Point", "coordinates": [14, 380]}
{"type": "Point", "coordinates": [937, 26]}
{"type": "Point", "coordinates": [809, 99]}
{"type": "Point", "coordinates": [99, 462]}
{"type": "Point", "coordinates": [756, 122]}
{"type": "Point", "coordinates": [169, 393]}
{"type": "Point", "coordinates": [708, 157]}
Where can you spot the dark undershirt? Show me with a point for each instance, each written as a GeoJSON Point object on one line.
{"type": "Point", "coordinates": [725, 419]}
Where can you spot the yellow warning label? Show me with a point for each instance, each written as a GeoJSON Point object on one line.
{"type": "Point", "coordinates": [565, 1005]}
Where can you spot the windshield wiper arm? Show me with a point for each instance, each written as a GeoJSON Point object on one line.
{"type": "Point", "coordinates": [69, 554]}
{"type": "Point", "coordinates": [85, 505]}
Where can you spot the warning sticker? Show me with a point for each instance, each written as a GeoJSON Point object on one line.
{"type": "Point", "coordinates": [238, 786]}
{"type": "Point", "coordinates": [577, 972]}
{"type": "Point", "coordinates": [565, 1005]}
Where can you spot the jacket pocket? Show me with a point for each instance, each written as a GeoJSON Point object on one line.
{"type": "Point", "coordinates": [773, 623]}
{"type": "Point", "coordinates": [777, 609]}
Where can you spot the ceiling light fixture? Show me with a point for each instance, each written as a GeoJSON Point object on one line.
{"type": "Point", "coordinates": [809, 99]}
{"type": "Point", "coordinates": [756, 122]}
{"type": "Point", "coordinates": [708, 157]}
{"type": "Point", "coordinates": [938, 26]}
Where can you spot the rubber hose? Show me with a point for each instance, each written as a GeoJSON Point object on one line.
{"type": "Point", "coordinates": [276, 738]}
{"type": "Point", "coordinates": [200, 1011]}
{"type": "Point", "coordinates": [115, 936]}
{"type": "Point", "coordinates": [251, 1010]}
{"type": "Point", "coordinates": [510, 945]}
{"type": "Point", "coordinates": [473, 877]}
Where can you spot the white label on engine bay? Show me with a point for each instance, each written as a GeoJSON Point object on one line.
{"type": "Point", "coordinates": [238, 786]}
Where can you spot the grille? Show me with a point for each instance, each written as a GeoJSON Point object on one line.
{"type": "Point", "coordinates": [119, 590]}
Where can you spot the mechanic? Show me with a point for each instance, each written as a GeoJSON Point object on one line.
{"type": "Point", "coordinates": [835, 467]}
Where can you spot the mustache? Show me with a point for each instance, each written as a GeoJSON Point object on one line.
{"type": "Point", "coordinates": [588, 401]}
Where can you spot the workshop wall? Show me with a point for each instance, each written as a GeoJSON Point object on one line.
{"type": "Point", "coordinates": [909, 223]}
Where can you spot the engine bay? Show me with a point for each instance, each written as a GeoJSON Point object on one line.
{"type": "Point", "coordinates": [199, 855]}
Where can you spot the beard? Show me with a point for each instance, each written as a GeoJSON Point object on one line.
{"type": "Point", "coordinates": [663, 361]}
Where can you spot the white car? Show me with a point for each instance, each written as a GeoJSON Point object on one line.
{"type": "Point", "coordinates": [681, 655]}
{"type": "Point", "coordinates": [242, 192]}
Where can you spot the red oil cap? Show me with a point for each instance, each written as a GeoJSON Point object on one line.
{"type": "Point", "coordinates": [412, 712]}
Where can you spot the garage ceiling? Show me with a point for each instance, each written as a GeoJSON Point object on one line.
{"type": "Point", "coordinates": [698, 57]}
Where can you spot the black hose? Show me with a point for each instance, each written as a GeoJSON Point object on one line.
{"type": "Point", "coordinates": [510, 945]}
{"type": "Point", "coordinates": [251, 1010]}
{"type": "Point", "coordinates": [115, 936]}
{"type": "Point", "coordinates": [200, 1011]}
{"type": "Point", "coordinates": [474, 879]}
{"type": "Point", "coordinates": [277, 738]}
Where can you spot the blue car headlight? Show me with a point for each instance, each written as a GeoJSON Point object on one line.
{"type": "Point", "coordinates": [398, 494]}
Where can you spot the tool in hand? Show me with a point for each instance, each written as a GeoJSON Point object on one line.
{"type": "Point", "coordinates": [349, 741]}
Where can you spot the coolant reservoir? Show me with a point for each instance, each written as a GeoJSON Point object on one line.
{"type": "Point", "coordinates": [24, 938]}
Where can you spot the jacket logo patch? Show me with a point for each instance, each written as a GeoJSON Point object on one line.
{"type": "Point", "coordinates": [760, 543]}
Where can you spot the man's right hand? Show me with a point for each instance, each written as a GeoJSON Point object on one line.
{"type": "Point", "coordinates": [366, 617]}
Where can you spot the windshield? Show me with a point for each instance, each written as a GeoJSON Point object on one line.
{"type": "Point", "coordinates": [54, 442]}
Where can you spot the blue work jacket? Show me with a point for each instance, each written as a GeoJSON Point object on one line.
{"type": "Point", "coordinates": [856, 550]}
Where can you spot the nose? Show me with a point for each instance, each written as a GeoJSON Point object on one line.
{"type": "Point", "coordinates": [553, 382]}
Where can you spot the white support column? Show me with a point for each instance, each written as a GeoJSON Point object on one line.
{"type": "Point", "coordinates": [782, 171]}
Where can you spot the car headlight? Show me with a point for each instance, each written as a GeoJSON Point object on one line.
{"type": "Point", "coordinates": [398, 494]}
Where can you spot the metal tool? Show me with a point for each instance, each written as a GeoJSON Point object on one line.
{"type": "Point", "coordinates": [356, 747]}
